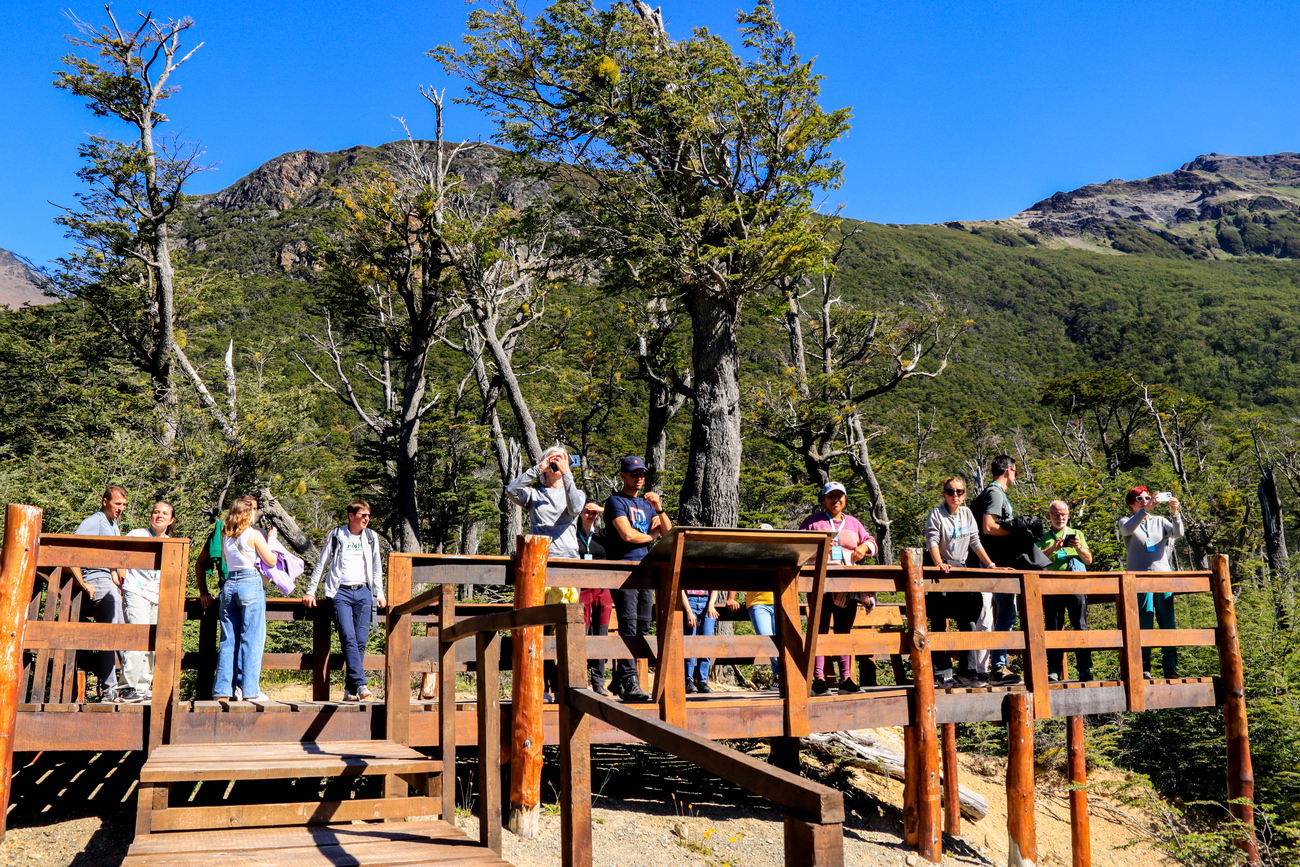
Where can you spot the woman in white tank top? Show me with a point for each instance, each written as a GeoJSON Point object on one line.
{"type": "Point", "coordinates": [242, 605]}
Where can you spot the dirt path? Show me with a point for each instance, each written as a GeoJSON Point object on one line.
{"type": "Point", "coordinates": [77, 809]}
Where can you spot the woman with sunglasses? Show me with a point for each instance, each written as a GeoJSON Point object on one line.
{"type": "Point", "coordinates": [950, 535]}
{"type": "Point", "coordinates": [1149, 544]}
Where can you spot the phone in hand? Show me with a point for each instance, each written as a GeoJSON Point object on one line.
{"type": "Point", "coordinates": [1071, 541]}
{"type": "Point", "coordinates": [1163, 496]}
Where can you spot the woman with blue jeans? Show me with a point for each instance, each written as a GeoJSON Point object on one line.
{"type": "Point", "coordinates": [1148, 546]}
{"type": "Point", "coordinates": [701, 616]}
{"type": "Point", "coordinates": [242, 605]}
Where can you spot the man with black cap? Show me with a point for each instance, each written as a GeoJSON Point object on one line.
{"type": "Point", "coordinates": [634, 522]}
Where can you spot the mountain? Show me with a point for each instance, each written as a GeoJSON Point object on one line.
{"type": "Point", "coordinates": [19, 284]}
{"type": "Point", "coordinates": [1215, 206]}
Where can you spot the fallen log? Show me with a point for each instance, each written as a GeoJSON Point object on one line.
{"type": "Point", "coordinates": [863, 751]}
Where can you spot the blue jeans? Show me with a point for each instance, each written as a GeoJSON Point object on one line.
{"type": "Point", "coordinates": [352, 606]}
{"type": "Point", "coordinates": [1154, 607]}
{"type": "Point", "coordinates": [242, 614]}
{"type": "Point", "coordinates": [764, 619]}
{"type": "Point", "coordinates": [703, 626]}
{"type": "Point", "coordinates": [1004, 620]}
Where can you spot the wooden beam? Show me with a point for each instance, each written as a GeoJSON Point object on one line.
{"type": "Point", "coordinates": [1241, 772]}
{"type": "Point", "coordinates": [22, 545]}
{"type": "Point", "coordinates": [670, 667]}
{"type": "Point", "coordinates": [791, 660]}
{"type": "Point", "coordinates": [575, 746]}
{"type": "Point", "coordinates": [813, 845]}
{"type": "Point", "coordinates": [951, 782]}
{"type": "Point", "coordinates": [488, 680]}
{"type": "Point", "coordinates": [1080, 835]}
{"type": "Point", "coordinates": [816, 601]}
{"type": "Point", "coordinates": [167, 646]}
{"type": "Point", "coordinates": [929, 815]}
{"type": "Point", "coordinates": [527, 735]}
{"type": "Point", "coordinates": [1033, 624]}
{"type": "Point", "coordinates": [1130, 660]}
{"type": "Point", "coordinates": [1022, 843]}
{"type": "Point", "coordinates": [447, 703]}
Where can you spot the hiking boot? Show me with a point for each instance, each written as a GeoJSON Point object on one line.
{"type": "Point", "coordinates": [597, 682]}
{"type": "Point", "coordinates": [125, 695]}
{"type": "Point", "coordinates": [632, 691]}
{"type": "Point", "coordinates": [690, 685]}
{"type": "Point", "coordinates": [972, 680]}
{"type": "Point", "coordinates": [1085, 675]}
{"type": "Point", "coordinates": [703, 686]}
{"type": "Point", "coordinates": [1004, 677]}
{"type": "Point", "coordinates": [819, 687]}
{"type": "Point", "coordinates": [944, 681]}
{"type": "Point", "coordinates": [847, 686]}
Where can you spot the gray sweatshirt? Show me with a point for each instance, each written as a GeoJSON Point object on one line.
{"type": "Point", "coordinates": [956, 535]}
{"type": "Point", "coordinates": [1149, 540]}
{"type": "Point", "coordinates": [552, 512]}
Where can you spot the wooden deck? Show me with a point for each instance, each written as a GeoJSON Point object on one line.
{"type": "Point", "coordinates": [425, 633]}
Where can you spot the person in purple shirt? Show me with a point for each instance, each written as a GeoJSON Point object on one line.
{"type": "Point", "coordinates": [852, 544]}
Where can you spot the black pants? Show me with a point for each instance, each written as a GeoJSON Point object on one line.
{"type": "Point", "coordinates": [1055, 608]}
{"type": "Point", "coordinates": [635, 615]}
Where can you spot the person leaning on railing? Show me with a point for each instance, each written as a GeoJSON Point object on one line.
{"type": "Point", "coordinates": [1149, 544]}
{"type": "Point", "coordinates": [1067, 548]}
{"type": "Point", "coordinates": [951, 535]}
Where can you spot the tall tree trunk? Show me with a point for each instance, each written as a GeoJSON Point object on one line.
{"type": "Point", "coordinates": [665, 401]}
{"type": "Point", "coordinates": [710, 495]}
{"type": "Point", "coordinates": [860, 460]}
{"type": "Point", "coordinates": [1270, 505]}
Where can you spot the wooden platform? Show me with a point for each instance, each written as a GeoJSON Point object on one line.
{"type": "Point", "coordinates": [426, 842]}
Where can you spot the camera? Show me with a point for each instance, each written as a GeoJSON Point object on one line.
{"type": "Point", "coordinates": [575, 461]}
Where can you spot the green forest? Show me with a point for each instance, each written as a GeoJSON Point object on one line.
{"type": "Point", "coordinates": [419, 321]}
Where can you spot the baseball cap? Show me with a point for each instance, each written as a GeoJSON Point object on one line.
{"type": "Point", "coordinates": [833, 486]}
{"type": "Point", "coordinates": [631, 463]}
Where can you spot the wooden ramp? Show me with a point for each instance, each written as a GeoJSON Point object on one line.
{"type": "Point", "coordinates": [367, 831]}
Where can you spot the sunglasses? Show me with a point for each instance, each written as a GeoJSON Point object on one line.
{"type": "Point", "coordinates": [637, 474]}
{"type": "Point", "coordinates": [1143, 498]}
{"type": "Point", "coordinates": [950, 492]}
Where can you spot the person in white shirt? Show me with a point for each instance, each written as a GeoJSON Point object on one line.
{"type": "Point", "coordinates": [140, 600]}
{"type": "Point", "coordinates": [354, 579]}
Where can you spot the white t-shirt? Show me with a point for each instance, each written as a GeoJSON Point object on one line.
{"type": "Point", "coordinates": [352, 555]}
{"type": "Point", "coordinates": [142, 582]}
{"type": "Point", "coordinates": [239, 552]}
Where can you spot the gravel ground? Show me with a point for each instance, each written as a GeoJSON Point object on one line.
{"type": "Point", "coordinates": [650, 810]}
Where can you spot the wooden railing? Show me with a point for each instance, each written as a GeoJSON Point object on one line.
{"type": "Point", "coordinates": [814, 814]}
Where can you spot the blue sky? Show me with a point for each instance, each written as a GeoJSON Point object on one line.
{"type": "Point", "coordinates": [962, 110]}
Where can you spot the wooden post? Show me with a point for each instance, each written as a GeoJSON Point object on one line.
{"type": "Point", "coordinates": [670, 667]}
{"type": "Point", "coordinates": [927, 806]}
{"type": "Point", "coordinates": [1033, 621]}
{"type": "Point", "coordinates": [1022, 845]}
{"type": "Point", "coordinates": [173, 566]}
{"type": "Point", "coordinates": [575, 743]}
{"type": "Point", "coordinates": [951, 782]}
{"type": "Point", "coordinates": [526, 736]}
{"type": "Point", "coordinates": [397, 666]}
{"type": "Point", "coordinates": [1130, 660]}
{"type": "Point", "coordinates": [446, 701]}
{"type": "Point", "coordinates": [1241, 773]}
{"type": "Point", "coordinates": [488, 670]}
{"type": "Point", "coordinates": [1080, 839]}
{"type": "Point", "coordinates": [811, 844]}
{"type": "Point", "coordinates": [22, 542]}
{"type": "Point", "coordinates": [322, 620]}
{"type": "Point", "coordinates": [910, 774]}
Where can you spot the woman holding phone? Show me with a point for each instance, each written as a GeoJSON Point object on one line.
{"type": "Point", "coordinates": [1149, 544]}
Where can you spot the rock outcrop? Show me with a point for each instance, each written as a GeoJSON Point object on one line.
{"type": "Point", "coordinates": [19, 284]}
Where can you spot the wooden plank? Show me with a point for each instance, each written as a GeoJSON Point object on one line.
{"type": "Point", "coordinates": [1032, 622]}
{"type": "Point", "coordinates": [670, 683]}
{"type": "Point", "coordinates": [397, 664]}
{"type": "Point", "coordinates": [306, 812]}
{"type": "Point", "coordinates": [951, 782]}
{"type": "Point", "coordinates": [320, 647]}
{"type": "Point", "coordinates": [1130, 660]}
{"type": "Point", "coordinates": [793, 793]}
{"type": "Point", "coordinates": [42, 635]}
{"type": "Point", "coordinates": [1094, 639]}
{"type": "Point", "coordinates": [1178, 637]}
{"type": "Point", "coordinates": [104, 552]}
{"type": "Point", "coordinates": [271, 839]}
{"type": "Point", "coordinates": [488, 645]}
{"type": "Point", "coordinates": [536, 615]}
{"type": "Point", "coordinates": [167, 643]}
{"type": "Point", "coordinates": [447, 704]}
{"type": "Point", "coordinates": [791, 656]}
{"type": "Point", "coordinates": [575, 747]}
{"type": "Point", "coordinates": [816, 602]}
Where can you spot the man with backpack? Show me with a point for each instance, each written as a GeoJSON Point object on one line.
{"type": "Point", "coordinates": [354, 579]}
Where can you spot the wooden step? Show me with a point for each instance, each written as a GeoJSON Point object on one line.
{"type": "Point", "coordinates": [425, 842]}
{"type": "Point", "coordinates": [174, 763]}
